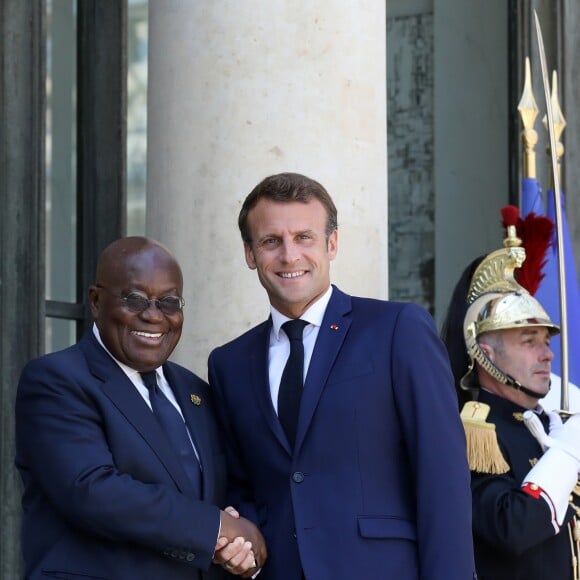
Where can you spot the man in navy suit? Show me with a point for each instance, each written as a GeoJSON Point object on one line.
{"type": "Point", "coordinates": [107, 492]}
{"type": "Point", "coordinates": [369, 479]}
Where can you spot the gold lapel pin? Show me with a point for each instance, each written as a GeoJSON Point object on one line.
{"type": "Point", "coordinates": [334, 326]}
{"type": "Point", "coordinates": [195, 400]}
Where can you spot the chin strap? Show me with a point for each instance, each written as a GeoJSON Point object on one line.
{"type": "Point", "coordinates": [519, 387]}
{"type": "Point", "coordinates": [485, 363]}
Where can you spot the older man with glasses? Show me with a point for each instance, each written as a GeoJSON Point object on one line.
{"type": "Point", "coordinates": [121, 461]}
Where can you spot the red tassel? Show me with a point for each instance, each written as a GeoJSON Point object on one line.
{"type": "Point", "coordinates": [536, 232]}
{"type": "Point", "coordinates": [510, 215]}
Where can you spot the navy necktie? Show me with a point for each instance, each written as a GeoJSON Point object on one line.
{"type": "Point", "coordinates": [545, 421]}
{"type": "Point", "coordinates": [291, 384]}
{"type": "Point", "coordinates": [173, 424]}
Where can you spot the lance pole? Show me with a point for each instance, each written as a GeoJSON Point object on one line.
{"type": "Point", "coordinates": [559, 228]}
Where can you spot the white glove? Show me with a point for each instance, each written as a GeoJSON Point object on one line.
{"type": "Point", "coordinates": [555, 422]}
{"type": "Point", "coordinates": [556, 473]}
{"type": "Point", "coordinates": [536, 428]}
{"type": "Point", "coordinates": [564, 436]}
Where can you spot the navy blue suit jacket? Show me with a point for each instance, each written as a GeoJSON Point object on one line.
{"type": "Point", "coordinates": [378, 484]}
{"type": "Point", "coordinates": [104, 493]}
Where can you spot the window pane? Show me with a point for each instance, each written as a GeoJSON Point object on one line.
{"type": "Point", "coordinates": [60, 162]}
{"type": "Point", "coordinates": [59, 333]}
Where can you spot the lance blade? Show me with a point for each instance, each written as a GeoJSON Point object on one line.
{"type": "Point", "coordinates": [559, 228]}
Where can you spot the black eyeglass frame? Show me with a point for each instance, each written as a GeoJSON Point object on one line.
{"type": "Point", "coordinates": [135, 302]}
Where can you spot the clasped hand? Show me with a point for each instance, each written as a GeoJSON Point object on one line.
{"type": "Point", "coordinates": [240, 549]}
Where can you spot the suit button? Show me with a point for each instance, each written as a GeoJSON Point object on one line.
{"type": "Point", "coordinates": [298, 477]}
{"type": "Point", "coordinates": [190, 557]}
{"type": "Point", "coordinates": [174, 553]}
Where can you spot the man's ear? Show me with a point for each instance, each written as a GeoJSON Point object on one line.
{"type": "Point", "coordinates": [94, 301]}
{"type": "Point", "coordinates": [488, 350]}
{"type": "Point", "coordinates": [249, 254]}
{"type": "Point", "coordinates": [332, 245]}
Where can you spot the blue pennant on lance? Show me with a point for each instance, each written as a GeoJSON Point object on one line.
{"type": "Point", "coordinates": [548, 293]}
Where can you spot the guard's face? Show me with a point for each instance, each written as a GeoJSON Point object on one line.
{"type": "Point", "coordinates": [290, 251]}
{"type": "Point", "coordinates": [526, 356]}
{"type": "Point", "coordinates": [142, 340]}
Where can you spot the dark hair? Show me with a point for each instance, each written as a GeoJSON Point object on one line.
{"type": "Point", "coordinates": [287, 187]}
{"type": "Point", "coordinates": [452, 329]}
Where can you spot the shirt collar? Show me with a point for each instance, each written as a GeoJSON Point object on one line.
{"type": "Point", "coordinates": [313, 315]}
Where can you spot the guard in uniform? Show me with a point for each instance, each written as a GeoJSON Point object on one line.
{"type": "Point", "coordinates": [524, 462]}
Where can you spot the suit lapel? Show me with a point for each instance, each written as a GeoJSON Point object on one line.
{"type": "Point", "coordinates": [333, 330]}
{"type": "Point", "coordinates": [123, 394]}
{"type": "Point", "coordinates": [195, 419]}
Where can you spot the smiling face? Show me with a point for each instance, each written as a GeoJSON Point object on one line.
{"type": "Point", "coordinates": [524, 354]}
{"type": "Point", "coordinates": [141, 340]}
{"type": "Point", "coordinates": [291, 252]}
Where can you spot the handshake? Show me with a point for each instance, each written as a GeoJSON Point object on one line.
{"type": "Point", "coordinates": [240, 547]}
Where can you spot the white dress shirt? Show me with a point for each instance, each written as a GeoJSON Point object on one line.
{"type": "Point", "coordinates": [135, 377]}
{"type": "Point", "coordinates": [279, 349]}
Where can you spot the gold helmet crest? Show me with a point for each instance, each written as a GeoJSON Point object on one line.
{"type": "Point", "coordinates": [498, 302]}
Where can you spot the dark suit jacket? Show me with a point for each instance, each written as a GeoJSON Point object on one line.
{"type": "Point", "coordinates": [378, 485]}
{"type": "Point", "coordinates": [104, 493]}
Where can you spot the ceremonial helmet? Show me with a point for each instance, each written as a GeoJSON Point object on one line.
{"type": "Point", "coordinates": [498, 302]}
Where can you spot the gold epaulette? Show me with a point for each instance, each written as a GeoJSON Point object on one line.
{"type": "Point", "coordinates": [483, 452]}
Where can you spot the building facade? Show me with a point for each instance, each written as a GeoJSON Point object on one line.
{"type": "Point", "coordinates": [159, 117]}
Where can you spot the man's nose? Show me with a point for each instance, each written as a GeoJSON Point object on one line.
{"type": "Point", "coordinates": [289, 251]}
{"type": "Point", "coordinates": [152, 312]}
{"type": "Point", "coordinates": [548, 354]}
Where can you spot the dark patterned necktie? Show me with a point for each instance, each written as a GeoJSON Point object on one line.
{"type": "Point", "coordinates": [291, 384]}
{"type": "Point", "coordinates": [173, 424]}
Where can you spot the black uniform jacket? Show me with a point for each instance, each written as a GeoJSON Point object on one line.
{"type": "Point", "coordinates": [513, 533]}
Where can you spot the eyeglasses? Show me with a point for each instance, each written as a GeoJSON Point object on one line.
{"type": "Point", "coordinates": [136, 302]}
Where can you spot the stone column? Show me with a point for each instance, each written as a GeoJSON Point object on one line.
{"type": "Point", "coordinates": [241, 90]}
